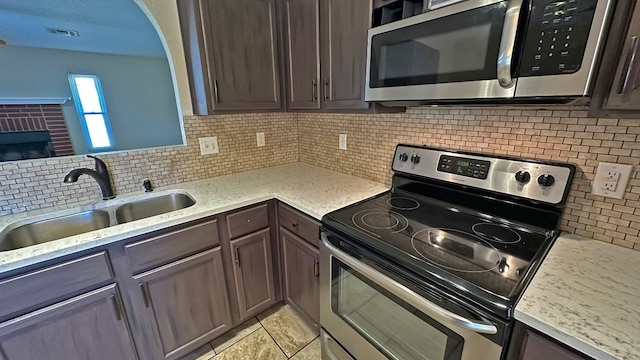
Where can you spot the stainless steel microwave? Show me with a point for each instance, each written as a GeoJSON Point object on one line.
{"type": "Point", "coordinates": [489, 51]}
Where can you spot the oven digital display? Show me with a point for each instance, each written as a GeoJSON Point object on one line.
{"type": "Point", "coordinates": [478, 169]}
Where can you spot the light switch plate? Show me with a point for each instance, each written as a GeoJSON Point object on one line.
{"type": "Point", "coordinates": [260, 139]}
{"type": "Point", "coordinates": [209, 145]}
{"type": "Point", "coordinates": [342, 141]}
{"type": "Point", "coordinates": [611, 180]}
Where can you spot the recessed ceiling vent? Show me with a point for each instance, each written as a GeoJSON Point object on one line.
{"type": "Point", "coordinates": [71, 33]}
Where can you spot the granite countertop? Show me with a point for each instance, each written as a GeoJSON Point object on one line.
{"type": "Point", "coordinates": [586, 294]}
{"type": "Point", "coordinates": [312, 190]}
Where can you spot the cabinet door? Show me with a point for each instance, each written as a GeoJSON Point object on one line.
{"type": "Point", "coordinates": [241, 41]}
{"type": "Point", "coordinates": [344, 52]}
{"type": "Point", "coordinates": [188, 300]}
{"type": "Point", "coordinates": [302, 38]}
{"type": "Point", "coordinates": [253, 273]}
{"type": "Point", "coordinates": [537, 347]}
{"type": "Point", "coordinates": [625, 92]}
{"type": "Point", "coordinates": [301, 274]}
{"type": "Point", "coordinates": [90, 326]}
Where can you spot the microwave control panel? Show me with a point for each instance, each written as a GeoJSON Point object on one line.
{"type": "Point", "coordinates": [556, 37]}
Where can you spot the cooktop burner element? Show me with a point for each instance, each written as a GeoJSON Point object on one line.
{"type": "Point", "coordinates": [456, 250]}
{"type": "Point", "coordinates": [496, 233]}
{"type": "Point", "coordinates": [376, 220]}
{"type": "Point", "coordinates": [403, 203]}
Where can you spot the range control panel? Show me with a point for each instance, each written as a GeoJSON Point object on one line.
{"type": "Point", "coordinates": [556, 37]}
{"type": "Point", "coordinates": [464, 166]}
{"type": "Point", "coordinates": [542, 181]}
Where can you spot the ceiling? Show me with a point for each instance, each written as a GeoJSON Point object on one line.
{"type": "Point", "coordinates": [105, 26]}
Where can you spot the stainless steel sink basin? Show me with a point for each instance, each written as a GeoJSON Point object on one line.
{"type": "Point", "coordinates": [52, 229]}
{"type": "Point", "coordinates": [151, 207]}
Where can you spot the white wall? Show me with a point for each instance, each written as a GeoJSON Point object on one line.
{"type": "Point", "coordinates": [138, 91]}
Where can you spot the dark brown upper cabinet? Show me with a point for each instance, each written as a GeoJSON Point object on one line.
{"type": "Point", "coordinates": [231, 48]}
{"type": "Point", "coordinates": [325, 46]}
{"type": "Point", "coordinates": [617, 90]}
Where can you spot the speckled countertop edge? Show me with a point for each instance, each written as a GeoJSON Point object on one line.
{"type": "Point", "coordinates": [312, 190]}
{"type": "Point", "coordinates": [586, 294]}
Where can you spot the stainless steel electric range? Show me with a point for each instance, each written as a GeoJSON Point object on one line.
{"type": "Point", "coordinates": [433, 268]}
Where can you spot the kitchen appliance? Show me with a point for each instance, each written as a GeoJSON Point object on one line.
{"type": "Point", "coordinates": [433, 268]}
{"type": "Point", "coordinates": [516, 51]}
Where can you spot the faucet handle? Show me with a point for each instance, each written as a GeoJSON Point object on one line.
{"type": "Point", "coordinates": [101, 167]}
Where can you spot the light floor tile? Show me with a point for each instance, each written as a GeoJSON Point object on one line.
{"type": "Point", "coordinates": [243, 330]}
{"type": "Point", "coordinates": [257, 346]}
{"type": "Point", "coordinates": [204, 352]}
{"type": "Point", "coordinates": [309, 352]}
{"type": "Point", "coordinates": [287, 328]}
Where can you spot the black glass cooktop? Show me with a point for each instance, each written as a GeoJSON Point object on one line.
{"type": "Point", "coordinates": [442, 240]}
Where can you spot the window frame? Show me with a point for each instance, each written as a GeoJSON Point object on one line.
{"type": "Point", "coordinates": [81, 114]}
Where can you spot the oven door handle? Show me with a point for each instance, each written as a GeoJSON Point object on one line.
{"type": "Point", "coordinates": [508, 43]}
{"type": "Point", "coordinates": [408, 295]}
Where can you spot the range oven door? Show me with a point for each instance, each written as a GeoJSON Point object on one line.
{"type": "Point", "coordinates": [373, 316]}
{"type": "Point", "coordinates": [462, 51]}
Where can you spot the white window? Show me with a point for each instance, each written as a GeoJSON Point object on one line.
{"type": "Point", "coordinates": [87, 95]}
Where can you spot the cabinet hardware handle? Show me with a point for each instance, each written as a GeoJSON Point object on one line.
{"type": "Point", "coordinates": [215, 91]}
{"type": "Point", "coordinates": [632, 64]}
{"type": "Point", "coordinates": [316, 268]}
{"type": "Point", "coordinates": [314, 91]}
{"type": "Point", "coordinates": [326, 91]}
{"type": "Point", "coordinates": [145, 294]}
{"type": "Point", "coordinates": [238, 257]}
{"type": "Point", "coordinates": [116, 307]}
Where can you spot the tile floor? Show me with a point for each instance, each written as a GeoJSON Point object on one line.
{"type": "Point", "coordinates": [277, 334]}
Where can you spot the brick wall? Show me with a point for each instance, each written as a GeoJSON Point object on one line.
{"type": "Point", "coordinates": [566, 136]}
{"type": "Point", "coordinates": [36, 184]}
{"type": "Point", "coordinates": [38, 117]}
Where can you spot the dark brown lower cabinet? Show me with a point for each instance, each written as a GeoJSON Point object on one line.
{"type": "Point", "coordinates": [528, 344]}
{"type": "Point", "coordinates": [253, 273]}
{"type": "Point", "coordinates": [301, 274]}
{"type": "Point", "coordinates": [188, 300]}
{"type": "Point", "coordinates": [89, 326]}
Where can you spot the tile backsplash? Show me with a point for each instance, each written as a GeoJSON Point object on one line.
{"type": "Point", "coordinates": [566, 136]}
{"type": "Point", "coordinates": [36, 184]}
{"type": "Point", "coordinates": [560, 135]}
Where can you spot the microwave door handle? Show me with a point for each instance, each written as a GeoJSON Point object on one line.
{"type": "Point", "coordinates": [408, 295]}
{"type": "Point", "coordinates": [508, 43]}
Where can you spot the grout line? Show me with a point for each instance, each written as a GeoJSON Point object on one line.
{"type": "Point", "coordinates": [305, 346]}
{"type": "Point", "coordinates": [274, 340]}
{"type": "Point", "coordinates": [242, 338]}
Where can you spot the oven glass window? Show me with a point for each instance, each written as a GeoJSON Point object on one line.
{"type": "Point", "coordinates": [395, 328]}
{"type": "Point", "coordinates": [459, 47]}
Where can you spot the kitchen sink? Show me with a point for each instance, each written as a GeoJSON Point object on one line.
{"type": "Point", "coordinates": [154, 206]}
{"type": "Point", "coordinates": [24, 233]}
{"type": "Point", "coordinates": [53, 229]}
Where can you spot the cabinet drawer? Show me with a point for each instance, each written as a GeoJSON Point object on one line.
{"type": "Point", "coordinates": [39, 287]}
{"type": "Point", "coordinates": [299, 224]}
{"type": "Point", "coordinates": [247, 221]}
{"type": "Point", "coordinates": [158, 250]}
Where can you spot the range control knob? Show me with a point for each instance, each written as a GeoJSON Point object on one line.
{"type": "Point", "coordinates": [415, 159]}
{"type": "Point", "coordinates": [404, 157]}
{"type": "Point", "coordinates": [523, 177]}
{"type": "Point", "coordinates": [546, 180]}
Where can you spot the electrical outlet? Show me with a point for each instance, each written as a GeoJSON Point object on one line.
{"type": "Point", "coordinates": [342, 141]}
{"type": "Point", "coordinates": [260, 139]}
{"type": "Point", "coordinates": [611, 180]}
{"type": "Point", "coordinates": [209, 145]}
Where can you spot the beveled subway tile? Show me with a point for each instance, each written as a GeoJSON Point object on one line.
{"type": "Point", "coordinates": [240, 332]}
{"type": "Point", "coordinates": [309, 352]}
{"type": "Point", "coordinates": [257, 346]}
{"type": "Point", "coordinates": [287, 328]}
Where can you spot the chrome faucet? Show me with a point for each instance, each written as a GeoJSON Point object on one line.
{"type": "Point", "coordinates": [100, 175]}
